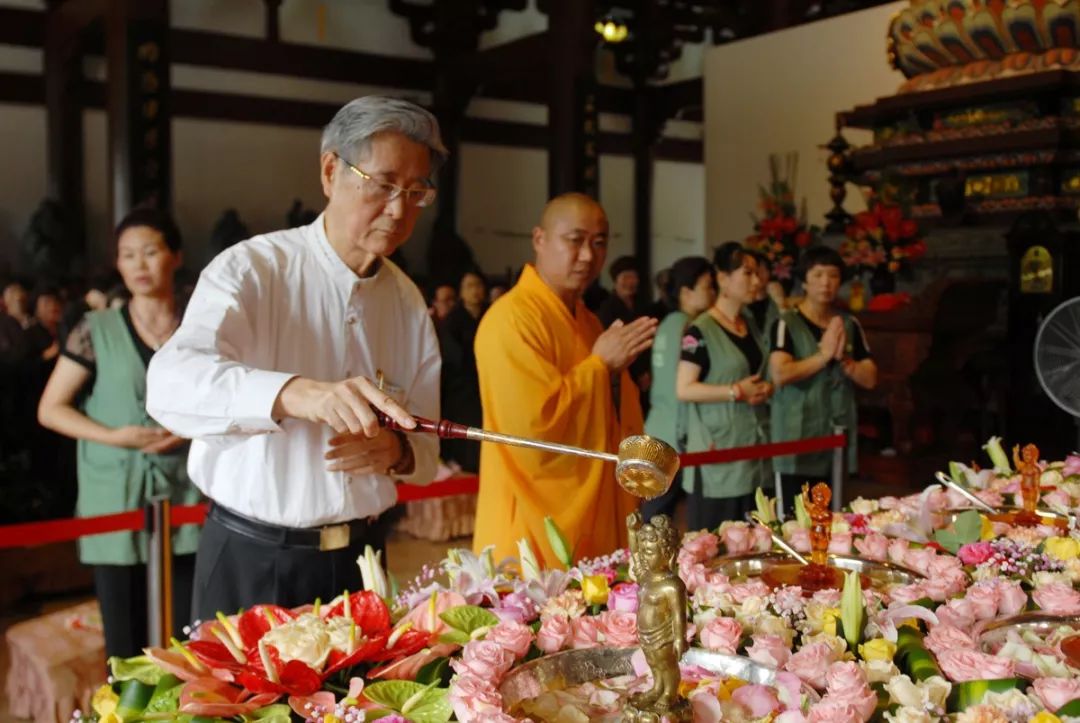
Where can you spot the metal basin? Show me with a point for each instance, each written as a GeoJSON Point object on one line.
{"type": "Point", "coordinates": [575, 667]}
{"type": "Point", "coordinates": [882, 575]}
{"type": "Point", "coordinates": [995, 633]}
{"type": "Point", "coordinates": [1051, 517]}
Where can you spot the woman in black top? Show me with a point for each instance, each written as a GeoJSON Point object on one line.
{"type": "Point", "coordinates": [460, 389]}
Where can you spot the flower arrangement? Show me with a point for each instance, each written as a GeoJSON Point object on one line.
{"type": "Point", "coordinates": [438, 650]}
{"type": "Point", "coordinates": [782, 231]}
{"type": "Point", "coordinates": [882, 242]}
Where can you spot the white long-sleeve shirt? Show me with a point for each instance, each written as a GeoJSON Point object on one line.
{"type": "Point", "coordinates": [264, 311]}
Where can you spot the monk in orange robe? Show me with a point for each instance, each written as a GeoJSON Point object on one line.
{"type": "Point", "coordinates": [548, 370]}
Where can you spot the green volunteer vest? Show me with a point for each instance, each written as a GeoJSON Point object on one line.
{"type": "Point", "coordinates": [114, 479]}
{"type": "Point", "coordinates": [722, 425]}
{"type": "Point", "coordinates": [814, 406]}
{"type": "Point", "coordinates": [667, 415]}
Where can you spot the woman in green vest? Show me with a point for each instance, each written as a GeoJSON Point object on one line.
{"type": "Point", "coordinates": [720, 375]}
{"type": "Point", "coordinates": [96, 395]}
{"type": "Point", "coordinates": [763, 309]}
{"type": "Point", "coordinates": [691, 285]}
{"type": "Point", "coordinates": [819, 355]}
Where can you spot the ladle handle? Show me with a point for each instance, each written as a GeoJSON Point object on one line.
{"type": "Point", "coordinates": [952, 484]}
{"type": "Point", "coordinates": [446, 429]}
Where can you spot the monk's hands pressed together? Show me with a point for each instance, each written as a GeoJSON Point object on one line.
{"type": "Point", "coordinates": [345, 406]}
{"type": "Point", "coordinates": [358, 454]}
{"type": "Point", "coordinates": [621, 343]}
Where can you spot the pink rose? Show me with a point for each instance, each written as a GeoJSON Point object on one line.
{"type": "Point", "coordinates": [962, 665]}
{"type": "Point", "coordinates": [840, 543]}
{"type": "Point", "coordinates": [846, 683]}
{"type": "Point", "coordinates": [1072, 465]}
{"type": "Point", "coordinates": [829, 711]}
{"type": "Point", "coordinates": [1057, 598]}
{"type": "Point", "coordinates": [769, 650]}
{"type": "Point", "coordinates": [619, 628]}
{"type": "Point", "coordinates": [758, 700]}
{"type": "Point", "coordinates": [984, 600]}
{"type": "Point", "coordinates": [624, 597]}
{"type": "Point", "coordinates": [753, 588]}
{"type": "Point", "coordinates": [721, 635]}
{"type": "Point", "coordinates": [957, 613]}
{"type": "Point", "coordinates": [483, 659]}
{"type": "Point", "coordinates": [737, 538]}
{"type": "Point", "coordinates": [1012, 599]}
{"type": "Point", "coordinates": [939, 588]}
{"type": "Point", "coordinates": [800, 539]}
{"type": "Point", "coordinates": [474, 699]}
{"type": "Point", "coordinates": [975, 553]}
{"type": "Point", "coordinates": [909, 593]}
{"type": "Point", "coordinates": [554, 634]}
{"type": "Point", "coordinates": [693, 575]}
{"type": "Point", "coordinates": [874, 546]}
{"type": "Point", "coordinates": [585, 632]}
{"type": "Point", "coordinates": [1056, 692]}
{"type": "Point", "coordinates": [699, 547]}
{"type": "Point", "coordinates": [919, 560]}
{"type": "Point", "coordinates": [829, 597]}
{"type": "Point", "coordinates": [511, 636]}
{"type": "Point", "coordinates": [946, 637]}
{"type": "Point", "coordinates": [811, 662]}
{"type": "Point", "coordinates": [762, 538]}
{"type": "Point", "coordinates": [889, 502]}
{"type": "Point", "coordinates": [898, 550]}
{"type": "Point", "coordinates": [1057, 499]}
{"type": "Point", "coordinates": [990, 497]}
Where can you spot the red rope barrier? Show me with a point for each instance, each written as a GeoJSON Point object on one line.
{"type": "Point", "coordinates": [29, 534]}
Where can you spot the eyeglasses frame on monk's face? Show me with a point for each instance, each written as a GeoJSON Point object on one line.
{"type": "Point", "coordinates": [391, 191]}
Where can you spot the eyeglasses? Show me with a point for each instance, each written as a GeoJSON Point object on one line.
{"type": "Point", "coordinates": [385, 192]}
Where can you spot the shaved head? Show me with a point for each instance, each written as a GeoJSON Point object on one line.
{"type": "Point", "coordinates": [571, 244]}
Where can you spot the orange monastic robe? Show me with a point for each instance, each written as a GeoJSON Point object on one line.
{"type": "Point", "coordinates": [539, 379]}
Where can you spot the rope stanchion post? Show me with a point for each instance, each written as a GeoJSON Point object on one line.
{"type": "Point", "coordinates": [159, 572]}
{"type": "Point", "coordinates": [839, 472]}
{"type": "Point", "coordinates": [779, 496]}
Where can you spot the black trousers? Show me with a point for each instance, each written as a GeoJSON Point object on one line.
{"type": "Point", "coordinates": [708, 512]}
{"type": "Point", "coordinates": [664, 504]}
{"type": "Point", "coordinates": [234, 571]}
{"type": "Point", "coordinates": [121, 593]}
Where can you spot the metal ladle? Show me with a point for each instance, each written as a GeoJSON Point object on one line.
{"type": "Point", "coordinates": [644, 467]}
{"type": "Point", "coordinates": [780, 541]}
{"type": "Point", "coordinates": [971, 496]}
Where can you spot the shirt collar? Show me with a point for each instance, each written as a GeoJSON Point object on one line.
{"type": "Point", "coordinates": [330, 260]}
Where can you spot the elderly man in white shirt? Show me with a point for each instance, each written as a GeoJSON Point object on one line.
{"type": "Point", "coordinates": [288, 343]}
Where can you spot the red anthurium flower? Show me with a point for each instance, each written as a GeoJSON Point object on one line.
{"type": "Point", "coordinates": [891, 217]}
{"type": "Point", "coordinates": [409, 642]}
{"type": "Point", "coordinates": [789, 225]}
{"type": "Point", "coordinates": [908, 228]}
{"type": "Point", "coordinates": [253, 624]}
{"type": "Point", "coordinates": [866, 221]}
{"type": "Point", "coordinates": [802, 239]}
{"type": "Point", "coordinates": [368, 611]}
{"type": "Point", "coordinates": [214, 655]}
{"type": "Point", "coordinates": [216, 699]}
{"type": "Point", "coordinates": [294, 677]}
{"type": "Point", "coordinates": [365, 650]}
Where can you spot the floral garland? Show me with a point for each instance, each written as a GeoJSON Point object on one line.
{"type": "Point", "coordinates": [905, 654]}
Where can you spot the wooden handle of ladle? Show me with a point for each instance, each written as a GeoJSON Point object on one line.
{"type": "Point", "coordinates": [444, 428]}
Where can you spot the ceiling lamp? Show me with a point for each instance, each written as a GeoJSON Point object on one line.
{"type": "Point", "coordinates": [611, 31]}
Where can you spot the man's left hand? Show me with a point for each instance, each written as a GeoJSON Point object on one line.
{"type": "Point", "coordinates": [357, 454]}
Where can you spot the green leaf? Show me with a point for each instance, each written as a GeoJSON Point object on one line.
{"type": "Point", "coordinates": [276, 713]}
{"type": "Point", "coordinates": [454, 637]}
{"type": "Point", "coordinates": [437, 670]}
{"type": "Point", "coordinates": [139, 668]}
{"type": "Point", "coordinates": [467, 618]}
{"type": "Point", "coordinates": [801, 514]}
{"type": "Point", "coordinates": [971, 692]}
{"type": "Point", "coordinates": [417, 702]}
{"type": "Point", "coordinates": [166, 697]}
{"type": "Point", "coordinates": [1072, 708]}
{"type": "Point", "coordinates": [134, 697]}
{"type": "Point", "coordinates": [563, 552]}
{"type": "Point", "coordinates": [966, 529]}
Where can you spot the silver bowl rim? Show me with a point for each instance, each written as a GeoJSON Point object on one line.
{"type": "Point", "coordinates": [774, 555]}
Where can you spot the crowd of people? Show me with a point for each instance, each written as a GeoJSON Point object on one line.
{"type": "Point", "coordinates": [281, 388]}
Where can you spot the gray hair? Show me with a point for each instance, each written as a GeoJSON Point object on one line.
{"type": "Point", "coordinates": [349, 133]}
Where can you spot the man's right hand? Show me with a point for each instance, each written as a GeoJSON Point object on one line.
{"type": "Point", "coordinates": [345, 406]}
{"type": "Point", "coordinates": [621, 343]}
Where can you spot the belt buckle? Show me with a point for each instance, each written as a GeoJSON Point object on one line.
{"type": "Point", "coordinates": [333, 537]}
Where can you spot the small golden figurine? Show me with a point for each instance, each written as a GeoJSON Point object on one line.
{"type": "Point", "coordinates": [661, 619]}
{"type": "Point", "coordinates": [816, 502]}
{"type": "Point", "coordinates": [1027, 465]}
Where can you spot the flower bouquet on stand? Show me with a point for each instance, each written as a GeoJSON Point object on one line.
{"type": "Point", "coordinates": [882, 244]}
{"type": "Point", "coordinates": [781, 231]}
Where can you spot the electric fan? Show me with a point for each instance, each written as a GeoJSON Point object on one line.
{"type": "Point", "coordinates": [1057, 356]}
